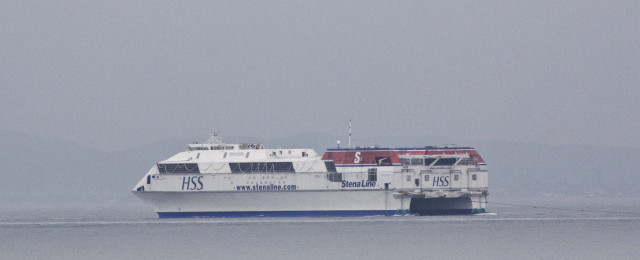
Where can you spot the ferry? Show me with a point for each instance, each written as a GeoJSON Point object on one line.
{"type": "Point", "coordinates": [215, 179]}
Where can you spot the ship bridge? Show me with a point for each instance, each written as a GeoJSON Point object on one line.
{"type": "Point", "coordinates": [215, 143]}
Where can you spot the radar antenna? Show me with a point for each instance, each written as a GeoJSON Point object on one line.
{"type": "Point", "coordinates": [214, 139]}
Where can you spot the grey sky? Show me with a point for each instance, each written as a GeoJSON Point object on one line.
{"type": "Point", "coordinates": [122, 73]}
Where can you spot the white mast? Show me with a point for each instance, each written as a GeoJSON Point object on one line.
{"type": "Point", "coordinates": [349, 133]}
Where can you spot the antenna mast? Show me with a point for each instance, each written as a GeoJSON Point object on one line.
{"type": "Point", "coordinates": [349, 133]}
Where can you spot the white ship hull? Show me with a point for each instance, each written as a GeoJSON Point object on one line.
{"type": "Point", "coordinates": [301, 203]}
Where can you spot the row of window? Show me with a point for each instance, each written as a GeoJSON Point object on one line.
{"type": "Point", "coordinates": [178, 168]}
{"type": "Point", "coordinates": [261, 167]}
{"type": "Point", "coordinates": [219, 147]}
{"type": "Point", "coordinates": [256, 167]}
{"type": "Point", "coordinates": [372, 175]}
{"type": "Point", "coordinates": [334, 177]}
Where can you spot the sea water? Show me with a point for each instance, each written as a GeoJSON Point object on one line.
{"type": "Point", "coordinates": [514, 229]}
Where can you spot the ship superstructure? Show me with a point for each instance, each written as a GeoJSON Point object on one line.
{"type": "Point", "coordinates": [430, 179]}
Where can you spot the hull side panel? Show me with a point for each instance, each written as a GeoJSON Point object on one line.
{"type": "Point", "coordinates": [240, 214]}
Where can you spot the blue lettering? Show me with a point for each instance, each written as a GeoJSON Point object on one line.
{"type": "Point", "coordinates": [358, 184]}
{"type": "Point", "coordinates": [264, 187]}
{"type": "Point", "coordinates": [442, 181]}
{"type": "Point", "coordinates": [200, 182]}
{"type": "Point", "coordinates": [193, 180]}
{"type": "Point", "coordinates": [185, 180]}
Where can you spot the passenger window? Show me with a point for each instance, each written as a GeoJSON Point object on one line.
{"type": "Point", "coordinates": [372, 174]}
{"type": "Point", "coordinates": [474, 177]}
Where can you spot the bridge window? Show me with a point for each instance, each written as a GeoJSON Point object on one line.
{"type": "Point", "coordinates": [417, 161]}
{"type": "Point", "coordinates": [372, 174]}
{"type": "Point", "coordinates": [466, 161]}
{"type": "Point", "coordinates": [429, 161]}
{"type": "Point", "coordinates": [445, 162]}
{"type": "Point", "coordinates": [405, 161]}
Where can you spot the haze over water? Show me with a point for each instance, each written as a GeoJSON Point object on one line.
{"type": "Point", "coordinates": [574, 229]}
